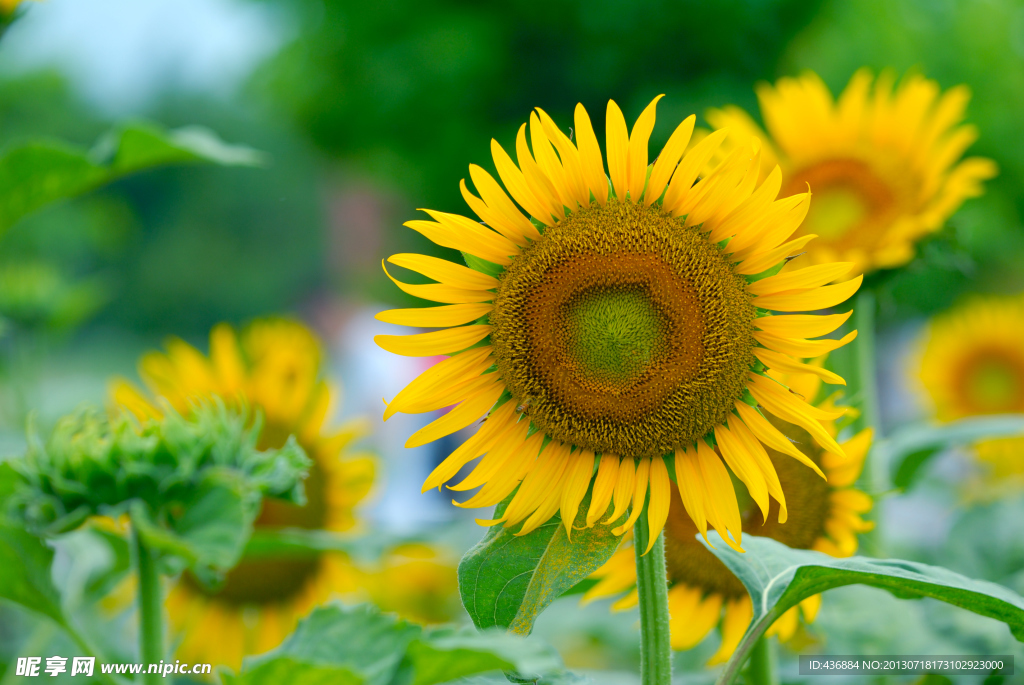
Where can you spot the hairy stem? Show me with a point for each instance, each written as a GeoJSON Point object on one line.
{"type": "Point", "coordinates": [652, 588]}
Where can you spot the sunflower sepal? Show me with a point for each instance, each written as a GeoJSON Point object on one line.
{"type": "Point", "coordinates": [779, 578]}
{"type": "Point", "coordinates": [482, 265]}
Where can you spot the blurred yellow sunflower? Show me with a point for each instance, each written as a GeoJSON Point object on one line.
{"type": "Point", "coordinates": [883, 161]}
{"type": "Point", "coordinates": [972, 364]}
{"type": "Point", "coordinates": [703, 593]}
{"type": "Point", "coordinates": [613, 322]}
{"type": "Point", "coordinates": [273, 366]}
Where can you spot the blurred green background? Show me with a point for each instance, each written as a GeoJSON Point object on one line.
{"type": "Point", "coordinates": [368, 110]}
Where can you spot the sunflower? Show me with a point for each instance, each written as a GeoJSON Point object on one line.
{"type": "Point", "coordinates": [613, 323]}
{"type": "Point", "coordinates": [703, 593]}
{"type": "Point", "coordinates": [972, 364]}
{"type": "Point", "coordinates": [273, 366]}
{"type": "Point", "coordinates": [882, 161]}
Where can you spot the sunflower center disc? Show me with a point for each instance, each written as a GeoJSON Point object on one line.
{"type": "Point", "coordinates": [623, 332]}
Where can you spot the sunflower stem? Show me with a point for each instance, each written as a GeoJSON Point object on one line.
{"type": "Point", "coordinates": [761, 667]}
{"type": "Point", "coordinates": [150, 606]}
{"type": "Point", "coordinates": [867, 381]}
{"type": "Point", "coordinates": [652, 588]}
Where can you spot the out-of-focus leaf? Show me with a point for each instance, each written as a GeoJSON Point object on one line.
{"type": "Point", "coordinates": [778, 578]}
{"type": "Point", "coordinates": [906, 451]}
{"type": "Point", "coordinates": [39, 172]}
{"type": "Point", "coordinates": [508, 580]}
{"type": "Point", "coordinates": [25, 562]}
{"type": "Point", "coordinates": [443, 654]}
{"type": "Point", "coordinates": [37, 293]}
{"type": "Point", "coordinates": [362, 645]}
{"type": "Point", "coordinates": [100, 584]}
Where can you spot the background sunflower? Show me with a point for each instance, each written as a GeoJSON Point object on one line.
{"type": "Point", "coordinates": [274, 366]}
{"type": "Point", "coordinates": [824, 514]}
{"type": "Point", "coordinates": [882, 159]}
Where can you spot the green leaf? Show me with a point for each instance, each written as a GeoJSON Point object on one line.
{"type": "Point", "coordinates": [907, 450]}
{"type": "Point", "coordinates": [288, 670]}
{"type": "Point", "coordinates": [39, 172]}
{"type": "Point", "coordinates": [25, 573]}
{"type": "Point", "coordinates": [508, 580]}
{"type": "Point", "coordinates": [778, 578]}
{"type": "Point", "coordinates": [212, 529]}
{"type": "Point", "coordinates": [911, 467]}
{"type": "Point", "coordinates": [368, 647]}
{"type": "Point", "coordinates": [361, 640]}
{"type": "Point", "coordinates": [443, 654]}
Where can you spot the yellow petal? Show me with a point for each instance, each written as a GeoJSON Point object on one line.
{"type": "Point", "coordinates": [498, 201]}
{"type": "Point", "coordinates": [736, 458]}
{"type": "Point", "coordinates": [810, 300]}
{"type": "Point", "coordinates": [433, 343]}
{"type": "Point", "coordinates": [643, 470]}
{"type": "Point", "coordinates": [801, 325]}
{"type": "Point", "coordinates": [785, 364]}
{"type": "Point", "coordinates": [636, 154]}
{"type": "Point", "coordinates": [802, 349]}
{"type": "Point", "coordinates": [762, 261]}
{"type": "Point", "coordinates": [131, 398]}
{"type": "Point", "coordinates": [578, 191]}
{"type": "Point", "coordinates": [507, 443]}
{"type": "Point", "coordinates": [445, 393]}
{"type": "Point", "coordinates": [590, 156]}
{"type": "Point", "coordinates": [470, 410]}
{"type": "Point", "coordinates": [514, 180]}
{"type": "Point", "coordinates": [479, 240]}
{"type": "Point", "coordinates": [604, 486]}
{"type": "Point", "coordinates": [764, 431]}
{"type": "Point", "coordinates": [661, 497]}
{"type": "Point", "coordinates": [577, 480]}
{"type": "Point", "coordinates": [549, 163]}
{"type": "Point", "coordinates": [853, 499]}
{"type": "Point", "coordinates": [703, 616]}
{"type": "Point", "coordinates": [720, 497]}
{"type": "Point", "coordinates": [738, 614]}
{"type": "Point", "coordinates": [691, 487]}
{"type": "Point", "coordinates": [536, 180]}
{"type": "Point", "coordinates": [443, 271]}
{"type": "Point", "coordinates": [623, 488]}
{"type": "Point", "coordinates": [691, 165]}
{"type": "Point", "coordinates": [668, 159]}
{"type": "Point", "coordinates": [794, 410]}
{"type": "Point", "coordinates": [437, 292]}
{"type": "Point", "coordinates": [436, 317]}
{"type": "Point", "coordinates": [226, 358]}
{"type": "Point", "coordinates": [617, 139]}
{"type": "Point", "coordinates": [810, 277]}
{"type": "Point", "coordinates": [809, 607]}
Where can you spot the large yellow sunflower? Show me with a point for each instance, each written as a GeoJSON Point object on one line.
{"type": "Point", "coordinates": [615, 322]}
{"type": "Point", "coordinates": [273, 366]}
{"type": "Point", "coordinates": [703, 593]}
{"type": "Point", "coordinates": [882, 160]}
{"type": "Point", "coordinates": [972, 364]}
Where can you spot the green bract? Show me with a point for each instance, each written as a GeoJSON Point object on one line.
{"type": "Point", "coordinates": [191, 485]}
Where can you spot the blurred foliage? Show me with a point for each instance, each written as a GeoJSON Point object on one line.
{"type": "Point", "coordinates": [412, 93]}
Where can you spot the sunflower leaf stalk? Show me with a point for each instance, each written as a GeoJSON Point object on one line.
{"type": "Point", "coordinates": [652, 588]}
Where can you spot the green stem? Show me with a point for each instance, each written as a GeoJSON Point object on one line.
{"type": "Point", "coordinates": [151, 649]}
{"type": "Point", "coordinates": [873, 476]}
{"type": "Point", "coordinates": [761, 668]}
{"type": "Point", "coordinates": [652, 588]}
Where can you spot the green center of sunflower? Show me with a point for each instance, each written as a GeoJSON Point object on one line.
{"type": "Point", "coordinates": [993, 382]}
{"type": "Point", "coordinates": [623, 332]}
{"type": "Point", "coordinates": [612, 334]}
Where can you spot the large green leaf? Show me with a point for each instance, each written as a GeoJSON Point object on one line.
{"type": "Point", "coordinates": [508, 580]}
{"type": "Point", "coordinates": [905, 453]}
{"type": "Point", "coordinates": [39, 172]}
{"type": "Point", "coordinates": [778, 578]}
{"type": "Point", "coordinates": [361, 645]}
